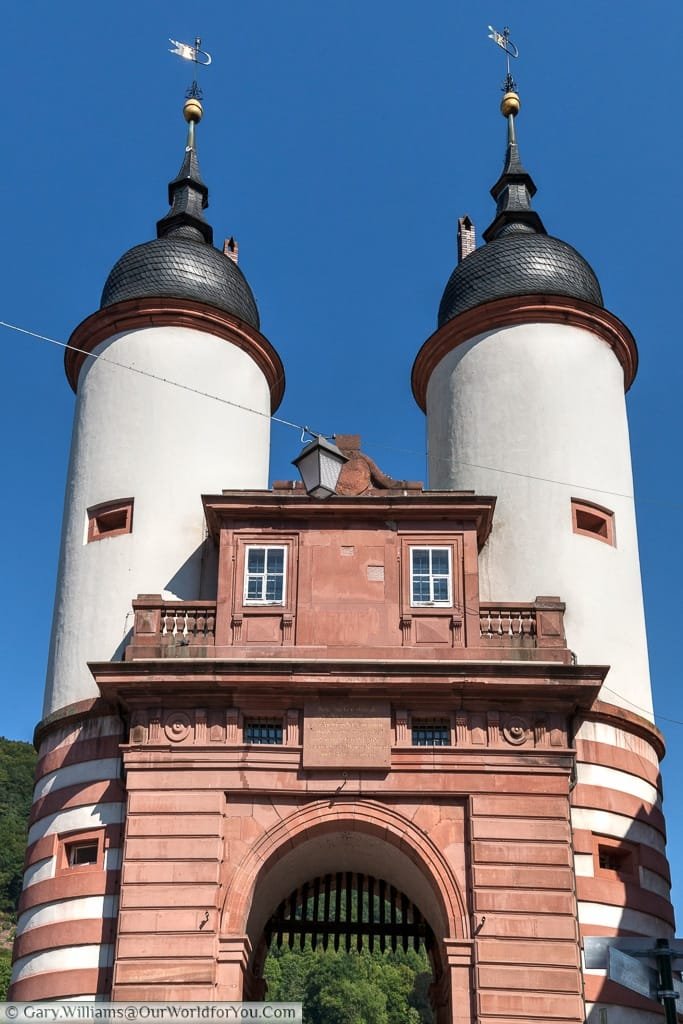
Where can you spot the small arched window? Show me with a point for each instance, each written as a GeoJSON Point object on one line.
{"type": "Point", "coordinates": [593, 520]}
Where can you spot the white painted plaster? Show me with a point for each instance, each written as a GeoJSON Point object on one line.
{"type": "Point", "coordinates": [164, 447]}
{"type": "Point", "coordinates": [655, 883]}
{"type": "Point", "coordinates": [112, 859]}
{"type": "Point", "coordinates": [606, 1013]}
{"type": "Point", "coordinates": [606, 823]}
{"type": "Point", "coordinates": [40, 871]}
{"type": "Point", "coordinates": [88, 729]}
{"type": "Point", "coordinates": [85, 908]}
{"type": "Point", "coordinates": [602, 732]}
{"type": "Point", "coordinates": [85, 772]}
{"type": "Point", "coordinates": [89, 817]}
{"type": "Point", "coordinates": [623, 782]}
{"type": "Point", "coordinates": [66, 958]}
{"type": "Point", "coordinates": [535, 414]}
{"type": "Point", "coordinates": [584, 865]}
{"type": "Point", "coordinates": [621, 918]}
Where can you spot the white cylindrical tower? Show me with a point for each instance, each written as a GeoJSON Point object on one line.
{"type": "Point", "coordinates": [523, 384]}
{"type": "Point", "coordinates": [177, 323]}
{"type": "Point", "coordinates": [175, 386]}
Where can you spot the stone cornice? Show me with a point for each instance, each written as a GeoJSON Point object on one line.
{"type": "Point", "coordinates": [134, 314]}
{"type": "Point", "coordinates": [412, 506]}
{"type": "Point", "coordinates": [523, 309]}
{"type": "Point", "coordinates": [559, 685]}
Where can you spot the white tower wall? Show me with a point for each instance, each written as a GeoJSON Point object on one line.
{"type": "Point", "coordinates": [163, 446]}
{"type": "Point", "coordinates": [545, 404]}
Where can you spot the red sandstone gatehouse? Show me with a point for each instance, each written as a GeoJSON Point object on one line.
{"type": "Point", "coordinates": [434, 702]}
{"type": "Point", "coordinates": [351, 719]}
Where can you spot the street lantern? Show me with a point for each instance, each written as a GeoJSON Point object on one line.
{"type": "Point", "coordinates": [320, 464]}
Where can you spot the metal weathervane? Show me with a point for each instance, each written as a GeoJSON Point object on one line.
{"type": "Point", "coordinates": [503, 40]}
{"type": "Point", "coordinates": [197, 56]}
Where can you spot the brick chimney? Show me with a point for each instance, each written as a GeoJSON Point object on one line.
{"type": "Point", "coordinates": [231, 249]}
{"type": "Point", "coordinates": [467, 238]}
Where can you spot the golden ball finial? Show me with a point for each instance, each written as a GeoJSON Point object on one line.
{"type": "Point", "coordinates": [193, 110]}
{"type": "Point", "coordinates": [510, 104]}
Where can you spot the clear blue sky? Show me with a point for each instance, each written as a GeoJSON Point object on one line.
{"type": "Point", "coordinates": [341, 142]}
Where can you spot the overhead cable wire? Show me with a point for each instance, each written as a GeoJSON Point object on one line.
{"type": "Point", "coordinates": [153, 376]}
{"type": "Point", "coordinates": [303, 428]}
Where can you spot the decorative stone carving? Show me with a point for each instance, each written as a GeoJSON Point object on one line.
{"type": "Point", "coordinates": [401, 718]}
{"type": "Point", "coordinates": [200, 726]}
{"type": "Point", "coordinates": [177, 726]}
{"type": "Point", "coordinates": [232, 720]}
{"type": "Point", "coordinates": [216, 727]}
{"type": "Point", "coordinates": [516, 730]}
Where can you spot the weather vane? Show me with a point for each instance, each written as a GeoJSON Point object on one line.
{"type": "Point", "coordinates": [195, 54]}
{"type": "Point", "coordinates": [503, 40]}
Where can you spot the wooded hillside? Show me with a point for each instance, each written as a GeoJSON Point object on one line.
{"type": "Point", "coordinates": [17, 765]}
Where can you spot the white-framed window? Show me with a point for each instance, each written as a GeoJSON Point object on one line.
{"type": "Point", "coordinates": [264, 575]}
{"type": "Point", "coordinates": [430, 576]}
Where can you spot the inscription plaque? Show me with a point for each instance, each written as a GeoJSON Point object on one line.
{"type": "Point", "coordinates": [347, 734]}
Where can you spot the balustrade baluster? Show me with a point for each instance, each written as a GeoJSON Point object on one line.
{"type": "Point", "coordinates": [190, 623]}
{"type": "Point", "coordinates": [168, 627]}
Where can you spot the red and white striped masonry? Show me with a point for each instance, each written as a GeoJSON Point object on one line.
{"type": "Point", "coordinates": [64, 944]}
{"type": "Point", "coordinates": [617, 803]}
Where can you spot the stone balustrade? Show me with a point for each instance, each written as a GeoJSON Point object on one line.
{"type": "Point", "coordinates": [188, 629]}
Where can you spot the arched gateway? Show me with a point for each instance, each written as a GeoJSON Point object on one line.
{"type": "Point", "coordinates": [345, 845]}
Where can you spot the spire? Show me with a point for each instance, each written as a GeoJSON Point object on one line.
{"type": "Point", "coordinates": [188, 196]}
{"type": "Point", "coordinates": [515, 188]}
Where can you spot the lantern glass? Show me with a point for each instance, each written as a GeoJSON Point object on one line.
{"type": "Point", "coordinates": [320, 464]}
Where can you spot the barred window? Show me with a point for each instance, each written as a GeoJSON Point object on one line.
{"type": "Point", "coordinates": [431, 733]}
{"type": "Point", "coordinates": [258, 730]}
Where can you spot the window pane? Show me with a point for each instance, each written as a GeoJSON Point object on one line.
{"type": "Point", "coordinates": [420, 560]}
{"type": "Point", "coordinates": [257, 560]}
{"type": "Point", "coordinates": [420, 589]}
{"type": "Point", "coordinates": [441, 590]}
{"type": "Point", "coordinates": [276, 559]}
{"type": "Point", "coordinates": [440, 561]}
{"type": "Point", "coordinates": [274, 588]}
{"type": "Point", "coordinates": [254, 585]}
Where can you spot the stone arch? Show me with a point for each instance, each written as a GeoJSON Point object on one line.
{"type": "Point", "coordinates": [415, 858]}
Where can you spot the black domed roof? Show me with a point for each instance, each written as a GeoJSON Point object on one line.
{"type": "Point", "coordinates": [519, 257]}
{"type": "Point", "coordinates": [181, 268]}
{"type": "Point", "coordinates": [520, 263]}
{"type": "Point", "coordinates": [182, 262]}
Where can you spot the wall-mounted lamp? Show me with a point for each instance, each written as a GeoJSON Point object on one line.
{"type": "Point", "coordinates": [320, 464]}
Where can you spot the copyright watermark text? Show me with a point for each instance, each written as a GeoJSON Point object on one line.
{"type": "Point", "coordinates": [49, 1012]}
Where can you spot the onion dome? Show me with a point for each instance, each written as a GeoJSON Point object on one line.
{"type": "Point", "coordinates": [519, 257]}
{"type": "Point", "coordinates": [182, 262]}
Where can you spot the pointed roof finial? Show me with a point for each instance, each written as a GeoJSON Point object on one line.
{"type": "Point", "coordinates": [188, 196]}
{"type": "Point", "coordinates": [514, 189]}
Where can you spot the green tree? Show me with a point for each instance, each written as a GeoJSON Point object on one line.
{"type": "Point", "coordinates": [346, 988]}
{"type": "Point", "coordinates": [5, 972]}
{"type": "Point", "coordinates": [17, 767]}
{"type": "Point", "coordinates": [343, 989]}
